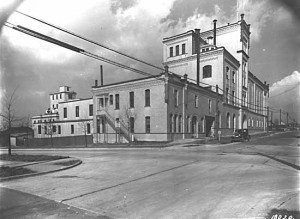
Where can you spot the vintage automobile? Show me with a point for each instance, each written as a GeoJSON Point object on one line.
{"type": "Point", "coordinates": [240, 135]}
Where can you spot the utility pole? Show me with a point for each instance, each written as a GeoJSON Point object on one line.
{"type": "Point", "coordinates": [271, 120]}
{"type": "Point", "coordinates": [280, 117]}
{"type": "Point", "coordinates": [197, 42]}
{"type": "Point", "coordinates": [268, 118]}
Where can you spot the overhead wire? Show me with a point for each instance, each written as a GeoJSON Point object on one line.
{"type": "Point", "coordinates": [73, 48]}
{"type": "Point", "coordinates": [76, 49]}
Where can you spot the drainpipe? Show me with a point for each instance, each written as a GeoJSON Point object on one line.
{"type": "Point", "coordinates": [197, 31]}
{"type": "Point", "coordinates": [184, 104]}
{"type": "Point", "coordinates": [166, 84]}
{"type": "Point", "coordinates": [101, 75]}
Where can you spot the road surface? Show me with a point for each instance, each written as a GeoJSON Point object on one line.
{"type": "Point", "coordinates": [239, 180]}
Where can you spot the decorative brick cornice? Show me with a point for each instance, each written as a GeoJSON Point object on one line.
{"type": "Point", "coordinates": [129, 86]}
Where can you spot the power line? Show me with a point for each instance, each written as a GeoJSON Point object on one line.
{"type": "Point", "coordinates": [73, 48]}
{"type": "Point", "coordinates": [88, 40]}
{"type": "Point", "coordinates": [116, 51]}
{"type": "Point", "coordinates": [79, 50]}
{"type": "Point", "coordinates": [285, 91]}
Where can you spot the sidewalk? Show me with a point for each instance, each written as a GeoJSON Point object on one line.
{"type": "Point", "coordinates": [17, 204]}
{"type": "Point", "coordinates": [39, 168]}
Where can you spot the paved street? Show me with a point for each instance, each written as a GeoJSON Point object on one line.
{"type": "Point", "coordinates": [240, 180]}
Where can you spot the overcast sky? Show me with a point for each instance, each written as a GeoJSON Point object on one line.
{"type": "Point", "coordinates": [137, 27]}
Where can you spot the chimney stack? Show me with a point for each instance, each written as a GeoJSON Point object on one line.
{"type": "Point", "coordinates": [215, 32]}
{"type": "Point", "coordinates": [210, 40]}
{"type": "Point", "coordinates": [101, 75]}
{"type": "Point", "coordinates": [242, 17]}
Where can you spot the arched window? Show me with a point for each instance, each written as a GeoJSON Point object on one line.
{"type": "Point", "coordinates": [228, 120]}
{"type": "Point", "coordinates": [233, 121]}
{"type": "Point", "coordinates": [188, 124]}
{"type": "Point", "coordinates": [202, 125]}
{"type": "Point", "coordinates": [175, 123]}
{"type": "Point", "coordinates": [227, 72]}
{"type": "Point", "coordinates": [171, 123]}
{"type": "Point", "coordinates": [179, 124]}
{"type": "Point", "coordinates": [207, 71]}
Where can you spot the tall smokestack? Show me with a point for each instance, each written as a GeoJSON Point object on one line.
{"type": "Point", "coordinates": [197, 42]}
{"type": "Point", "coordinates": [242, 17]}
{"type": "Point", "coordinates": [101, 75]}
{"type": "Point", "coordinates": [215, 32]}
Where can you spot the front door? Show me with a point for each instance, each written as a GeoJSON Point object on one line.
{"type": "Point", "coordinates": [209, 120]}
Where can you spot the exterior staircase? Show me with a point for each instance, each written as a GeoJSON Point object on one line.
{"type": "Point", "coordinates": [111, 121]}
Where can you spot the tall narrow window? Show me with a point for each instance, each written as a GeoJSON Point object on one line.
{"type": "Point", "coordinates": [65, 112]}
{"type": "Point", "coordinates": [98, 125]}
{"type": "Point", "coordinates": [233, 97]}
{"type": "Point", "coordinates": [100, 102]}
{"type": "Point", "coordinates": [147, 97]}
{"type": "Point", "coordinates": [196, 101]}
{"type": "Point", "coordinates": [88, 128]}
{"type": "Point", "coordinates": [111, 99]}
{"type": "Point", "coordinates": [188, 124]}
{"type": "Point", "coordinates": [131, 123]}
{"type": "Point", "coordinates": [209, 105]}
{"type": "Point", "coordinates": [171, 123]}
{"type": "Point", "coordinates": [117, 99]}
{"type": "Point", "coordinates": [77, 111]}
{"type": "Point", "coordinates": [147, 124]}
{"type": "Point", "coordinates": [176, 97]}
{"type": "Point", "coordinates": [183, 48]}
{"type": "Point", "coordinates": [72, 129]}
{"type": "Point", "coordinates": [54, 128]}
{"type": "Point", "coordinates": [233, 76]}
{"type": "Point", "coordinates": [227, 94]}
{"type": "Point", "coordinates": [175, 123]}
{"type": "Point", "coordinates": [131, 99]}
{"type": "Point", "coordinates": [207, 71]}
{"type": "Point", "coordinates": [60, 96]}
{"type": "Point", "coordinates": [39, 129]}
{"type": "Point", "coordinates": [91, 110]}
{"type": "Point", "coordinates": [171, 52]}
{"type": "Point", "coordinates": [177, 50]}
{"type": "Point", "coordinates": [59, 129]}
{"type": "Point", "coordinates": [179, 123]}
{"type": "Point", "coordinates": [228, 120]}
{"type": "Point", "coordinates": [227, 72]}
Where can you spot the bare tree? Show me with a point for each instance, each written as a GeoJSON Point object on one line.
{"type": "Point", "coordinates": [8, 114]}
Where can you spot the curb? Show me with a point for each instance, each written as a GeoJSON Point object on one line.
{"type": "Point", "coordinates": [39, 173]}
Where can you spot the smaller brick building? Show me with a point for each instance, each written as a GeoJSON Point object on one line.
{"type": "Point", "coordinates": [67, 116]}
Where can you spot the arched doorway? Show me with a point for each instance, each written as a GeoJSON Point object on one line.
{"type": "Point", "coordinates": [244, 122]}
{"type": "Point", "coordinates": [233, 121]}
{"type": "Point", "coordinates": [194, 126]}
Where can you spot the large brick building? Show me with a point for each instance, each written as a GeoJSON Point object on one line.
{"type": "Point", "coordinates": [206, 88]}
